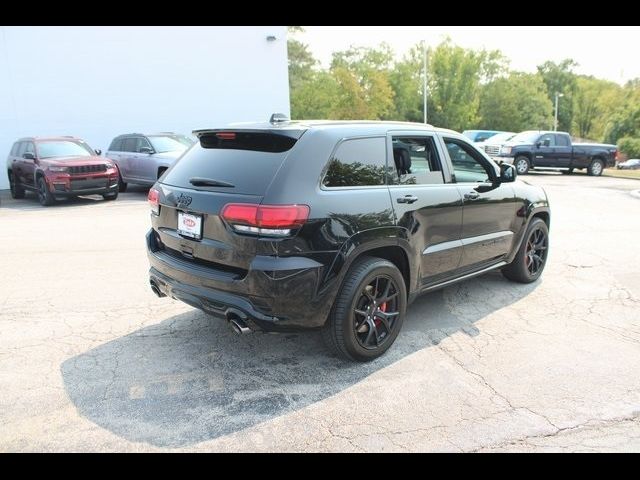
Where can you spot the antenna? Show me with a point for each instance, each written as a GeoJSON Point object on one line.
{"type": "Point", "coordinates": [278, 118]}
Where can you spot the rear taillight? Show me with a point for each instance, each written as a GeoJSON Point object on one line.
{"type": "Point", "coordinates": [154, 201]}
{"type": "Point", "coordinates": [274, 220]}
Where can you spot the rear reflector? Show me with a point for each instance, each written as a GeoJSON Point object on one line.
{"type": "Point", "coordinates": [275, 220]}
{"type": "Point", "coordinates": [154, 201]}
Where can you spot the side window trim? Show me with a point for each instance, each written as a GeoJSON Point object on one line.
{"type": "Point", "coordinates": [489, 166]}
{"type": "Point", "coordinates": [325, 169]}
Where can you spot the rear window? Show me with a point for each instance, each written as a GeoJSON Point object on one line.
{"type": "Point", "coordinates": [246, 160]}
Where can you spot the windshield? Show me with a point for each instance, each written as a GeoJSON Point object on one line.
{"type": "Point", "coordinates": [501, 137]}
{"type": "Point", "coordinates": [526, 137]}
{"type": "Point", "coordinates": [63, 148]}
{"type": "Point", "coordinates": [166, 144]}
{"type": "Point", "coordinates": [188, 141]}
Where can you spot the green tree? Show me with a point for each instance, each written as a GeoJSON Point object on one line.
{"type": "Point", "coordinates": [363, 76]}
{"type": "Point", "coordinates": [455, 76]}
{"type": "Point", "coordinates": [316, 97]}
{"type": "Point", "coordinates": [407, 83]}
{"type": "Point", "coordinates": [594, 101]}
{"type": "Point", "coordinates": [559, 78]}
{"type": "Point", "coordinates": [515, 103]}
{"type": "Point", "coordinates": [625, 119]}
{"type": "Point", "coordinates": [301, 60]}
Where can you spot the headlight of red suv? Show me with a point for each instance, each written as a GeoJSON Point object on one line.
{"type": "Point", "coordinates": [58, 169]}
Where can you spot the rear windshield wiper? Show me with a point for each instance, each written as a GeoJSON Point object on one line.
{"type": "Point", "coordinates": [209, 182]}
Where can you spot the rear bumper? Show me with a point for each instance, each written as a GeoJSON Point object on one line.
{"type": "Point", "coordinates": [276, 294]}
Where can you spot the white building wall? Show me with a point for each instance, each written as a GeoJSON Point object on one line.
{"type": "Point", "coordinates": [99, 82]}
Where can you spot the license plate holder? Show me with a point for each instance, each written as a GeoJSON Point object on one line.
{"type": "Point", "coordinates": [190, 225]}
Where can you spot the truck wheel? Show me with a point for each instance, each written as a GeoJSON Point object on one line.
{"type": "Point", "coordinates": [368, 312]}
{"type": "Point", "coordinates": [529, 262]}
{"type": "Point", "coordinates": [522, 165]}
{"type": "Point", "coordinates": [17, 191]}
{"type": "Point", "coordinates": [44, 195]}
{"type": "Point", "coordinates": [596, 168]}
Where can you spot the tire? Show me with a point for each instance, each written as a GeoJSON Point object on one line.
{"type": "Point", "coordinates": [595, 168]}
{"type": "Point", "coordinates": [567, 172]}
{"type": "Point", "coordinates": [520, 269]}
{"type": "Point", "coordinates": [45, 197]}
{"type": "Point", "coordinates": [122, 186]}
{"type": "Point", "coordinates": [110, 196]}
{"type": "Point", "coordinates": [522, 165]}
{"type": "Point", "coordinates": [348, 332]}
{"type": "Point", "coordinates": [17, 191]}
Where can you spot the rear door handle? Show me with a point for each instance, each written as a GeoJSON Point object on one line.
{"type": "Point", "coordinates": [471, 196]}
{"type": "Point", "coordinates": [407, 199]}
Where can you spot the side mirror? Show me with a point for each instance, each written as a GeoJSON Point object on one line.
{"type": "Point", "coordinates": [28, 156]}
{"type": "Point", "coordinates": [538, 144]}
{"type": "Point", "coordinates": [507, 173]}
{"type": "Point", "coordinates": [146, 150]}
{"type": "Point", "coordinates": [98, 151]}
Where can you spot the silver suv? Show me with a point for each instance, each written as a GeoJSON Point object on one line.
{"type": "Point", "coordinates": [144, 158]}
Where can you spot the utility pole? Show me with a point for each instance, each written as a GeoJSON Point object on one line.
{"type": "Point", "coordinates": [424, 79]}
{"type": "Point", "coordinates": [555, 121]}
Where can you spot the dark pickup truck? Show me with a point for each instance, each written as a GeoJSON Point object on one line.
{"type": "Point", "coordinates": [533, 149]}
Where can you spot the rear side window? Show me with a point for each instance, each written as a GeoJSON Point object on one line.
{"type": "Point", "coordinates": [359, 162]}
{"type": "Point", "coordinates": [562, 140]}
{"type": "Point", "coordinates": [247, 161]}
{"type": "Point", "coordinates": [129, 144]}
{"type": "Point", "coordinates": [116, 145]}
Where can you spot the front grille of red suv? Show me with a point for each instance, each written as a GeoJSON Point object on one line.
{"type": "Point", "coordinates": [87, 169]}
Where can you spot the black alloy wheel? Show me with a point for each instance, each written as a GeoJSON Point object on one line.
{"type": "Point", "coordinates": [376, 311]}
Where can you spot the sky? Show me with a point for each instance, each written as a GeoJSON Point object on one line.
{"type": "Point", "coordinates": [604, 52]}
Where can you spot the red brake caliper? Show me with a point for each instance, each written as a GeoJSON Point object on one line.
{"type": "Point", "coordinates": [383, 308]}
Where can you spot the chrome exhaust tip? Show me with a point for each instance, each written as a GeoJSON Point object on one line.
{"type": "Point", "coordinates": [238, 324]}
{"type": "Point", "coordinates": [155, 289]}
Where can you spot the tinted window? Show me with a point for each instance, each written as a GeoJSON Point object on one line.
{"type": "Point", "coordinates": [129, 144]}
{"type": "Point", "coordinates": [62, 148]}
{"type": "Point", "coordinates": [358, 162]}
{"type": "Point", "coordinates": [14, 149]}
{"type": "Point", "coordinates": [29, 148]}
{"type": "Point", "coordinates": [144, 143]}
{"type": "Point", "coordinates": [116, 145]}
{"type": "Point", "coordinates": [547, 137]}
{"type": "Point", "coordinates": [468, 165]}
{"type": "Point", "coordinates": [562, 140]}
{"type": "Point", "coordinates": [21, 148]}
{"type": "Point", "coordinates": [416, 161]}
{"type": "Point", "coordinates": [247, 161]}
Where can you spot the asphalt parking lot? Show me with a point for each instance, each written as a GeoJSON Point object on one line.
{"type": "Point", "coordinates": [91, 360]}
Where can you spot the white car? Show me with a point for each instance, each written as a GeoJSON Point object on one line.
{"type": "Point", "coordinates": [493, 144]}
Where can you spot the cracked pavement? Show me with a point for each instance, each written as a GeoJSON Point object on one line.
{"type": "Point", "coordinates": [91, 360]}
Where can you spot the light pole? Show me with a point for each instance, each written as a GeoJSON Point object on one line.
{"type": "Point", "coordinates": [424, 81]}
{"type": "Point", "coordinates": [555, 121]}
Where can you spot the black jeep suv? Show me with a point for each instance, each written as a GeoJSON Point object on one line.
{"type": "Point", "coordinates": [336, 225]}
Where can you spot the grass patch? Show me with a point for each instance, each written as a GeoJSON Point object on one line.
{"type": "Point", "coordinates": [612, 172]}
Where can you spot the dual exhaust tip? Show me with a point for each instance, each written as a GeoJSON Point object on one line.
{"type": "Point", "coordinates": [238, 325]}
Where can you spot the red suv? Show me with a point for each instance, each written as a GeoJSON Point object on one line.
{"type": "Point", "coordinates": [59, 167]}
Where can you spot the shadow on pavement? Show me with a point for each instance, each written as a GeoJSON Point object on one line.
{"type": "Point", "coordinates": [189, 379]}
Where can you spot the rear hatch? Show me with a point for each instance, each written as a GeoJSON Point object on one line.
{"type": "Point", "coordinates": [226, 166]}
